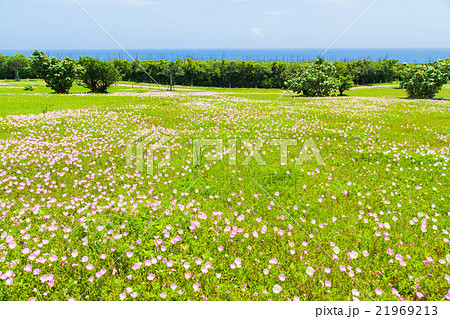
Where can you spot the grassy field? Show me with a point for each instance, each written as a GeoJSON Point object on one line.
{"type": "Point", "coordinates": [251, 222]}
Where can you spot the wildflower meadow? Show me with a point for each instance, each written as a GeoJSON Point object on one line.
{"type": "Point", "coordinates": [215, 194]}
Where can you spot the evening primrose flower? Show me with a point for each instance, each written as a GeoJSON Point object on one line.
{"type": "Point", "coordinates": [277, 289]}
{"type": "Point", "coordinates": [353, 255]}
{"type": "Point", "coordinates": [282, 277]}
{"type": "Point", "coordinates": [336, 250]}
{"type": "Point", "coordinates": [310, 271]}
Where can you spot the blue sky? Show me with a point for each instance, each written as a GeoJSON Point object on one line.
{"type": "Point", "coordinates": [153, 24]}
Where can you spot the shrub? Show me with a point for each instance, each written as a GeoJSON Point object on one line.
{"type": "Point", "coordinates": [59, 75]}
{"type": "Point", "coordinates": [28, 88]}
{"type": "Point", "coordinates": [97, 75]}
{"type": "Point", "coordinates": [317, 80]}
{"type": "Point", "coordinates": [423, 81]}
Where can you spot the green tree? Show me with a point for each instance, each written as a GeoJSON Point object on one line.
{"type": "Point", "coordinates": [61, 75]}
{"type": "Point", "coordinates": [97, 75]}
{"type": "Point", "coordinates": [317, 80]}
{"type": "Point", "coordinates": [172, 70]}
{"type": "Point", "coordinates": [40, 64]}
{"type": "Point", "coordinates": [423, 81]}
{"type": "Point", "coordinates": [58, 75]}
{"type": "Point", "coordinates": [345, 83]}
{"type": "Point", "coordinates": [17, 63]}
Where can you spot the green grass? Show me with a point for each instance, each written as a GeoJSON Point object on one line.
{"type": "Point", "coordinates": [65, 187]}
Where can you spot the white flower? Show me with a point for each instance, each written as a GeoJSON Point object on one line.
{"type": "Point", "coordinates": [277, 289]}
{"type": "Point", "coordinates": [353, 255]}
{"type": "Point", "coordinates": [336, 250]}
{"type": "Point", "coordinates": [310, 271]}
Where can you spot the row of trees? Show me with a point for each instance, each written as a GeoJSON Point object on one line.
{"type": "Point", "coordinates": [218, 73]}
{"type": "Point", "coordinates": [250, 74]}
{"type": "Point", "coordinates": [318, 78]}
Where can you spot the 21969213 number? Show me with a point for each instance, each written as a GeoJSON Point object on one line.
{"type": "Point", "coordinates": [407, 311]}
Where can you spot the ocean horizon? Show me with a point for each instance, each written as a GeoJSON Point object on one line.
{"type": "Point", "coordinates": [409, 55]}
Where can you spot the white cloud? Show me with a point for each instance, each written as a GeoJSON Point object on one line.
{"type": "Point", "coordinates": [257, 31]}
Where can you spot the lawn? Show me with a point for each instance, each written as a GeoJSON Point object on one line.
{"type": "Point", "coordinates": [254, 221]}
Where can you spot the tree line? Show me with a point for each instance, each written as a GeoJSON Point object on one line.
{"type": "Point", "coordinates": [310, 78]}
{"type": "Point", "coordinates": [217, 73]}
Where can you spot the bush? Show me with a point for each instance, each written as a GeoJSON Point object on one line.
{"type": "Point", "coordinates": [59, 75]}
{"type": "Point", "coordinates": [28, 88]}
{"type": "Point", "coordinates": [423, 81]}
{"type": "Point", "coordinates": [317, 80]}
{"type": "Point", "coordinates": [97, 75]}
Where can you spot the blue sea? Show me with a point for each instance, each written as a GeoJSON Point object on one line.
{"type": "Point", "coordinates": [269, 55]}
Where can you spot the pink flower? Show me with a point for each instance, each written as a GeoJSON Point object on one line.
{"type": "Point", "coordinates": [137, 266]}
{"type": "Point", "coordinates": [163, 295]}
{"type": "Point", "coordinates": [327, 283]}
{"type": "Point", "coordinates": [390, 251]}
{"type": "Point", "coordinates": [9, 281]}
{"type": "Point", "coordinates": [419, 294]}
{"type": "Point", "coordinates": [89, 267]}
{"type": "Point", "coordinates": [122, 296]}
{"type": "Point", "coordinates": [282, 277]}
{"type": "Point", "coordinates": [218, 275]}
{"type": "Point", "coordinates": [355, 292]}
{"type": "Point", "coordinates": [187, 275]}
{"type": "Point", "coordinates": [173, 286]}
{"type": "Point", "coordinates": [84, 259]}
{"type": "Point", "coordinates": [273, 261]}
{"type": "Point", "coordinates": [151, 277]}
{"type": "Point", "coordinates": [74, 253]}
{"type": "Point", "coordinates": [129, 254]}
{"type": "Point", "coordinates": [378, 292]}
{"type": "Point", "coordinates": [220, 248]}
{"type": "Point", "coordinates": [255, 234]}
{"type": "Point", "coordinates": [28, 268]}
{"type": "Point", "coordinates": [53, 258]}
{"type": "Point", "coordinates": [196, 287]}
{"type": "Point", "coordinates": [103, 256]}
{"type": "Point", "coordinates": [129, 290]}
